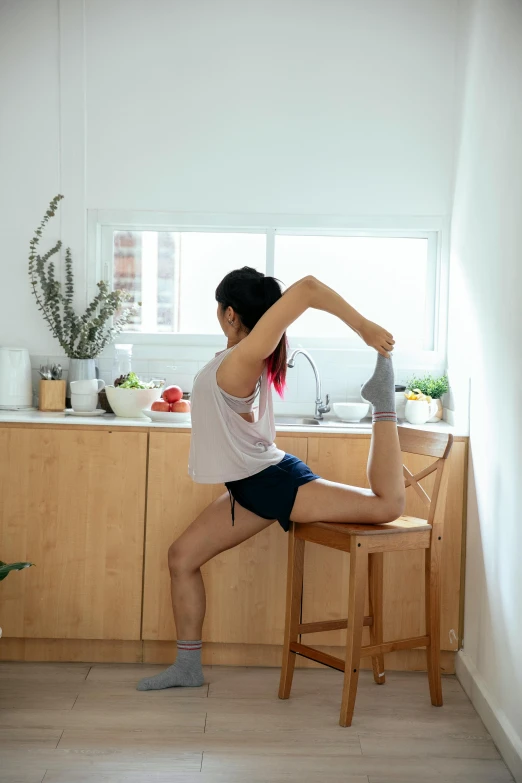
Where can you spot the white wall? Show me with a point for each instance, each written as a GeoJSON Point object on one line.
{"type": "Point", "coordinates": [29, 156]}
{"type": "Point", "coordinates": [485, 343]}
{"type": "Point", "coordinates": [275, 107]}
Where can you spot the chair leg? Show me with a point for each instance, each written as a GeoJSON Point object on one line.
{"type": "Point", "coordinates": [432, 598]}
{"type": "Point", "coordinates": [357, 594]}
{"type": "Point", "coordinates": [294, 592]}
{"type": "Point", "coordinates": [375, 574]}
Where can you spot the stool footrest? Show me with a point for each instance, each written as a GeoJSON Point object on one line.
{"type": "Point", "coordinates": [317, 655]}
{"type": "Point", "coordinates": [400, 644]}
{"type": "Point", "coordinates": [328, 625]}
{"type": "Point", "coordinates": [370, 650]}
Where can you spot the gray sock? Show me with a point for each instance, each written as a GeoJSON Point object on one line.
{"type": "Point", "coordinates": [185, 672]}
{"type": "Point", "coordinates": [380, 391]}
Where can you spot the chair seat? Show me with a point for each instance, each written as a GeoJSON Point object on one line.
{"type": "Point", "coordinates": [404, 524]}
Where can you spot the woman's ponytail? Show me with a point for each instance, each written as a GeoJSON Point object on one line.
{"type": "Point", "coordinates": [251, 294]}
{"type": "Point", "coordinates": [276, 362]}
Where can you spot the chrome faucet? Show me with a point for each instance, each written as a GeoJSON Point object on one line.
{"type": "Point", "coordinates": [320, 406]}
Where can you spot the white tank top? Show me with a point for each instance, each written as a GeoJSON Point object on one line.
{"type": "Point", "coordinates": [224, 446]}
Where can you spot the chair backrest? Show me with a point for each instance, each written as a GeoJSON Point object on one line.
{"type": "Point", "coordinates": [429, 444]}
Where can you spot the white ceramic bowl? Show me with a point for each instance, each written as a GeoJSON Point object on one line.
{"type": "Point", "coordinates": [129, 403]}
{"type": "Point", "coordinates": [168, 417]}
{"type": "Point", "coordinates": [351, 411]}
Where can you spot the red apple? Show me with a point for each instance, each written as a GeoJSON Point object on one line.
{"type": "Point", "coordinates": [160, 405]}
{"type": "Point", "coordinates": [182, 406]}
{"type": "Point", "coordinates": [172, 394]}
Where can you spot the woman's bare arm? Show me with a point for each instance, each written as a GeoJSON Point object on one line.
{"type": "Point", "coordinates": [240, 371]}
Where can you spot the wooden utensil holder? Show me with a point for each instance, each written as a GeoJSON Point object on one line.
{"type": "Point", "coordinates": [52, 395]}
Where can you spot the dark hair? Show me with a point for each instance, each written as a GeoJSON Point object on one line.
{"type": "Point", "coordinates": [250, 294]}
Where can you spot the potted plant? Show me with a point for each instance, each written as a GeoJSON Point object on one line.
{"type": "Point", "coordinates": [82, 337]}
{"type": "Point", "coordinates": [431, 387]}
{"type": "Point", "coordinates": [6, 568]}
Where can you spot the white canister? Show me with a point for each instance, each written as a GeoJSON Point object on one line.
{"type": "Point", "coordinates": [400, 405]}
{"type": "Point", "coordinates": [16, 390]}
{"type": "Point", "coordinates": [419, 411]}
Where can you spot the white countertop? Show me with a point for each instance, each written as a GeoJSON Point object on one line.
{"type": "Point", "coordinates": [109, 420]}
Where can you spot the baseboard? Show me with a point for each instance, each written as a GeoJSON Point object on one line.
{"type": "Point", "coordinates": [504, 735]}
{"type": "Point", "coordinates": [214, 653]}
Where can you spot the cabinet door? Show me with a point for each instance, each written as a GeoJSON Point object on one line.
{"type": "Point", "coordinates": [326, 571]}
{"type": "Point", "coordinates": [173, 502]}
{"type": "Point", "coordinates": [245, 586]}
{"type": "Point", "coordinates": [73, 503]}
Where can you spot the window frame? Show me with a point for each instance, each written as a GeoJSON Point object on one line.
{"type": "Point", "coordinates": [101, 224]}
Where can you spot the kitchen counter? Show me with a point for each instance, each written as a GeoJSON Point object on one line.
{"type": "Point", "coordinates": [36, 417]}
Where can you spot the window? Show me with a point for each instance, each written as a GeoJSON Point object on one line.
{"type": "Point", "coordinates": [174, 275]}
{"type": "Point", "coordinates": [392, 277]}
{"type": "Point", "coordinates": [384, 278]}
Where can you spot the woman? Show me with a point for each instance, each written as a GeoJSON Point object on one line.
{"type": "Point", "coordinates": [229, 445]}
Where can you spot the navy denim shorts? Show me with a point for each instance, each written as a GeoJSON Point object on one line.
{"type": "Point", "coordinates": [271, 493]}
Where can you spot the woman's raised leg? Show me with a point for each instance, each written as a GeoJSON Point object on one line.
{"type": "Point", "coordinates": [329, 501]}
{"type": "Point", "coordinates": [211, 533]}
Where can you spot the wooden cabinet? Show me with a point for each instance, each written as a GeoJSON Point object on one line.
{"type": "Point", "coordinates": [245, 586]}
{"type": "Point", "coordinates": [72, 502]}
{"type": "Point", "coordinates": [96, 510]}
{"type": "Point", "coordinates": [326, 570]}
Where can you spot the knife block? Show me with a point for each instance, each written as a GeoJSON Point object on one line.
{"type": "Point", "coordinates": [52, 396]}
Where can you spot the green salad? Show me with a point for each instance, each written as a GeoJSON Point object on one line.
{"type": "Point", "coordinates": [131, 381]}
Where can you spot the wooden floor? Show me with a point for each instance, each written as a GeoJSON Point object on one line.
{"type": "Point", "coordinates": [77, 723]}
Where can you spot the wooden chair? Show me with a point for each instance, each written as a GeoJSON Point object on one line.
{"type": "Point", "coordinates": [366, 545]}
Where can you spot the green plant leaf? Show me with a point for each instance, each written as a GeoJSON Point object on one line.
{"type": "Point", "coordinates": [434, 387]}
{"type": "Point", "coordinates": [6, 568]}
{"type": "Point", "coordinates": [81, 337]}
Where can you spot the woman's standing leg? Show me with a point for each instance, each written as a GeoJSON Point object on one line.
{"type": "Point", "coordinates": [211, 533]}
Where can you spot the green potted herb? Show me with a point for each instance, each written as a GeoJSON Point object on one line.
{"type": "Point", "coordinates": [431, 387]}
{"type": "Point", "coordinates": [6, 568]}
{"type": "Point", "coordinates": [82, 337]}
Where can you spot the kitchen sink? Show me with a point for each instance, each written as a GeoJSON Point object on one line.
{"type": "Point", "coordinates": [309, 421]}
{"type": "Point", "coordinates": [297, 421]}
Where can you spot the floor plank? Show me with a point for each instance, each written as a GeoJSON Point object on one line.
{"type": "Point", "coordinates": [173, 715]}
{"type": "Point", "coordinates": [390, 747]}
{"type": "Point", "coordinates": [74, 762]}
{"type": "Point", "coordinates": [472, 770]}
{"type": "Point", "coordinates": [317, 742]}
{"type": "Point", "coordinates": [43, 672]}
{"type": "Point", "coordinates": [36, 737]}
{"type": "Point", "coordinates": [331, 769]}
{"type": "Point", "coordinates": [460, 771]}
{"type": "Point", "coordinates": [145, 739]}
{"type": "Point", "coordinates": [51, 700]}
{"type": "Point", "coordinates": [23, 777]}
{"type": "Point", "coordinates": [126, 699]}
